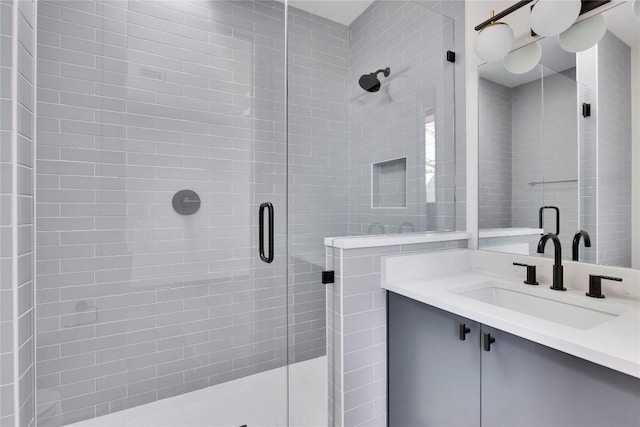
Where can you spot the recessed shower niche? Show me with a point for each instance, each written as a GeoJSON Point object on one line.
{"type": "Point", "coordinates": [389, 184]}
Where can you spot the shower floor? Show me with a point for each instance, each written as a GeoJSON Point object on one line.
{"type": "Point", "coordinates": [256, 400]}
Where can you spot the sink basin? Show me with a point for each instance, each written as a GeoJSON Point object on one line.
{"type": "Point", "coordinates": [566, 313]}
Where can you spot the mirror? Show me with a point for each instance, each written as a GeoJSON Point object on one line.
{"type": "Point", "coordinates": [556, 149]}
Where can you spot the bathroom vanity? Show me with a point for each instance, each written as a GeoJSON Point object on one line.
{"type": "Point", "coordinates": [474, 346]}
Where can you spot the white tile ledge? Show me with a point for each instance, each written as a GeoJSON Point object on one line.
{"type": "Point", "coordinates": [380, 240]}
{"type": "Point", "coordinates": [509, 232]}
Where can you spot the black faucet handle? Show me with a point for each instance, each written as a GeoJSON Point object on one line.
{"type": "Point", "coordinates": [595, 285]}
{"type": "Point", "coordinates": [531, 273]}
{"type": "Point", "coordinates": [615, 279]}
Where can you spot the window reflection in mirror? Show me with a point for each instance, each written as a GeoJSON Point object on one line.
{"type": "Point", "coordinates": [430, 157]}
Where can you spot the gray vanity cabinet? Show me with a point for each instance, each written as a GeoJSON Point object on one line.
{"type": "Point", "coordinates": [436, 379]}
{"type": "Point", "coordinates": [434, 376]}
{"type": "Point", "coordinates": [528, 384]}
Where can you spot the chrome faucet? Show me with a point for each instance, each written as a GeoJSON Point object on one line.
{"type": "Point", "coordinates": [576, 243]}
{"type": "Point", "coordinates": [558, 280]}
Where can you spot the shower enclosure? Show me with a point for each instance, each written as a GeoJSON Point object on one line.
{"type": "Point", "coordinates": [188, 160]}
{"type": "Point", "coordinates": [139, 300]}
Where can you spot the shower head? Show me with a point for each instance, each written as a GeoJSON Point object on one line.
{"type": "Point", "coordinates": [370, 82]}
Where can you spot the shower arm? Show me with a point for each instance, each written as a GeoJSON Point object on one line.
{"type": "Point", "coordinates": [384, 71]}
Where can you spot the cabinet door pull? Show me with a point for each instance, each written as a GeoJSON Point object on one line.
{"type": "Point", "coordinates": [463, 331]}
{"type": "Point", "coordinates": [487, 340]}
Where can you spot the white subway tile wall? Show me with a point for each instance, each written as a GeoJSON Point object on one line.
{"type": "Point", "coordinates": [527, 153]}
{"type": "Point", "coordinates": [411, 38]}
{"type": "Point", "coordinates": [17, 112]}
{"type": "Point", "coordinates": [605, 151]}
{"type": "Point", "coordinates": [545, 148]}
{"type": "Point", "coordinates": [560, 137]}
{"type": "Point", "coordinates": [7, 377]}
{"type": "Point", "coordinates": [614, 152]}
{"type": "Point", "coordinates": [389, 184]}
{"type": "Point", "coordinates": [588, 129]}
{"type": "Point", "coordinates": [495, 127]}
{"type": "Point", "coordinates": [358, 335]}
{"type": "Point", "coordinates": [138, 100]}
{"type": "Point", "coordinates": [318, 159]}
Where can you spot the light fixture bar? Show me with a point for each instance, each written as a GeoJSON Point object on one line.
{"type": "Point", "coordinates": [587, 6]}
{"type": "Point", "coordinates": [504, 13]}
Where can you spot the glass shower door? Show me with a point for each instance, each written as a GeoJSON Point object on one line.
{"type": "Point", "coordinates": [161, 131]}
{"type": "Point", "coordinates": [358, 165]}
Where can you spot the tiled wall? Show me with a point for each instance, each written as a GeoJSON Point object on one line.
{"type": "Point", "coordinates": [495, 128]}
{"type": "Point", "coordinates": [318, 159]}
{"type": "Point", "coordinates": [527, 153]}
{"type": "Point", "coordinates": [614, 152]}
{"type": "Point", "coordinates": [17, 106]}
{"type": "Point", "coordinates": [536, 145]}
{"type": "Point", "coordinates": [389, 184]}
{"type": "Point", "coordinates": [358, 390]}
{"type": "Point", "coordinates": [411, 38]}
{"type": "Point", "coordinates": [526, 135]}
{"type": "Point", "coordinates": [560, 142]}
{"type": "Point", "coordinates": [139, 100]}
{"type": "Point", "coordinates": [605, 151]}
{"type": "Point", "coordinates": [587, 75]}
{"type": "Point", "coordinates": [7, 378]}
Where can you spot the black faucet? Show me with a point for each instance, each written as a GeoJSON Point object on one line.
{"type": "Point", "coordinates": [576, 243]}
{"type": "Point", "coordinates": [558, 280]}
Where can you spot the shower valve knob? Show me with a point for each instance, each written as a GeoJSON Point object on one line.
{"type": "Point", "coordinates": [186, 202]}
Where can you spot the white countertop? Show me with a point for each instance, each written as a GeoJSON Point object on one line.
{"type": "Point", "coordinates": [371, 241]}
{"type": "Point", "coordinates": [614, 343]}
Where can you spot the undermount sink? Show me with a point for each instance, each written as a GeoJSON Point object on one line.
{"type": "Point", "coordinates": [566, 313]}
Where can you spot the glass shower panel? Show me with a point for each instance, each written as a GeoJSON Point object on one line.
{"type": "Point", "coordinates": [560, 168]}
{"type": "Point", "coordinates": [527, 153]}
{"type": "Point", "coordinates": [387, 136]}
{"type": "Point", "coordinates": [144, 293]}
{"type": "Point", "coordinates": [437, 191]}
{"type": "Point", "coordinates": [318, 194]}
{"type": "Point", "coordinates": [587, 161]}
{"type": "Point", "coordinates": [357, 159]}
{"type": "Point", "coordinates": [510, 129]}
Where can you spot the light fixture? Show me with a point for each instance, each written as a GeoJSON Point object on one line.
{"type": "Point", "coordinates": [551, 17]}
{"type": "Point", "coordinates": [524, 59]}
{"type": "Point", "coordinates": [494, 41]}
{"type": "Point", "coordinates": [584, 34]}
{"type": "Point", "coordinates": [547, 18]}
{"type": "Point", "coordinates": [636, 8]}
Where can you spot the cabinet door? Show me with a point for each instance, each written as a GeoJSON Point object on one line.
{"type": "Point", "coordinates": [528, 384]}
{"type": "Point", "coordinates": [433, 375]}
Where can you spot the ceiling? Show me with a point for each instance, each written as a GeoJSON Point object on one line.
{"type": "Point", "coordinates": [622, 22]}
{"type": "Point", "coordinates": [554, 58]}
{"type": "Point", "coordinates": [620, 18]}
{"type": "Point", "coordinates": [343, 12]}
